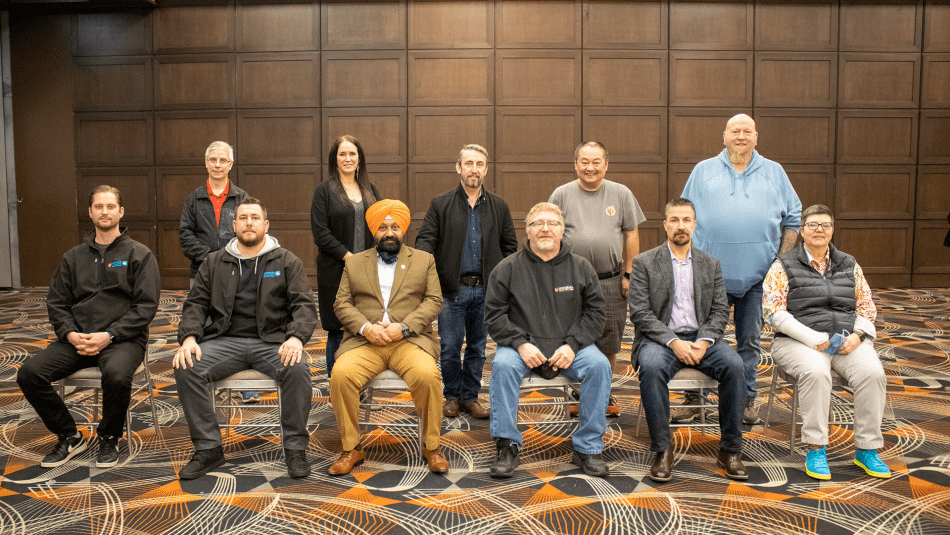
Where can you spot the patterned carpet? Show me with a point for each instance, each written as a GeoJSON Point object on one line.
{"type": "Point", "coordinates": [393, 492]}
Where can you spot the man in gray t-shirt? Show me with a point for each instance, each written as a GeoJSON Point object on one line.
{"type": "Point", "coordinates": [601, 219]}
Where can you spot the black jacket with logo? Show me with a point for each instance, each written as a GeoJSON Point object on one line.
{"type": "Point", "coordinates": [116, 292]}
{"type": "Point", "coordinates": [198, 232]}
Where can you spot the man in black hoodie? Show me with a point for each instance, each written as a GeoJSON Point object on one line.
{"type": "Point", "coordinates": [544, 305]}
{"type": "Point", "coordinates": [100, 304]}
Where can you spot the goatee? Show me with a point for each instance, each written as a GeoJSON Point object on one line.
{"type": "Point", "coordinates": [389, 245]}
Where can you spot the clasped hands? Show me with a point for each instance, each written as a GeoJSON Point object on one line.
{"type": "Point", "coordinates": [382, 333]}
{"type": "Point", "coordinates": [532, 356]}
{"type": "Point", "coordinates": [689, 353]}
{"type": "Point", "coordinates": [850, 344]}
{"type": "Point", "coordinates": [88, 344]}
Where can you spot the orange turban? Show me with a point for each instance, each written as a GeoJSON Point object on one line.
{"type": "Point", "coordinates": [387, 207]}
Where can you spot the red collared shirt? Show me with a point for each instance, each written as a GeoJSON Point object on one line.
{"type": "Point", "coordinates": [218, 200]}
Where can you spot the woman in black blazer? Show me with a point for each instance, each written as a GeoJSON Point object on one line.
{"type": "Point", "coordinates": [337, 219]}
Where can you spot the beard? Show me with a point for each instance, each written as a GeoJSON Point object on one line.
{"type": "Point", "coordinates": [546, 244]}
{"type": "Point", "coordinates": [680, 238]}
{"type": "Point", "coordinates": [254, 242]}
{"type": "Point", "coordinates": [473, 181]}
{"type": "Point", "coordinates": [389, 245]}
{"type": "Point", "coordinates": [105, 227]}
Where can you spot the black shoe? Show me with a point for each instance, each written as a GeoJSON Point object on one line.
{"type": "Point", "coordinates": [592, 463]}
{"type": "Point", "coordinates": [297, 465]}
{"type": "Point", "coordinates": [108, 452]}
{"type": "Point", "coordinates": [65, 449]}
{"type": "Point", "coordinates": [202, 462]}
{"type": "Point", "coordinates": [506, 460]}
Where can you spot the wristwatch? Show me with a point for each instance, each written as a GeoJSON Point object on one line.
{"type": "Point", "coordinates": [863, 335]}
{"type": "Point", "coordinates": [406, 331]}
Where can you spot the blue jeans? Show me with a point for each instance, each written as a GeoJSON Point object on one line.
{"type": "Point", "coordinates": [463, 319]}
{"type": "Point", "coordinates": [590, 368]}
{"type": "Point", "coordinates": [334, 337]}
{"type": "Point", "coordinates": [658, 364]}
{"type": "Point", "coordinates": [749, 321]}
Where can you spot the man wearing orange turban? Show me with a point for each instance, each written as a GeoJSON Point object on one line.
{"type": "Point", "coordinates": [387, 301]}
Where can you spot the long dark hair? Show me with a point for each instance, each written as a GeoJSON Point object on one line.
{"type": "Point", "coordinates": [362, 175]}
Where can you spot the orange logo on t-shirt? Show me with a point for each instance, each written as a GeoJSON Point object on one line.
{"type": "Point", "coordinates": [611, 211]}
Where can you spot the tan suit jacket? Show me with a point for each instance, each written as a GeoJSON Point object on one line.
{"type": "Point", "coordinates": [416, 298]}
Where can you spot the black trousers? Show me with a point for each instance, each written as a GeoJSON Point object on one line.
{"type": "Point", "coordinates": [116, 361]}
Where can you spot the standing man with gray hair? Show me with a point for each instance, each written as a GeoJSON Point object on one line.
{"type": "Point", "coordinates": [601, 219]}
{"type": "Point", "coordinates": [484, 220]}
{"type": "Point", "coordinates": [207, 218]}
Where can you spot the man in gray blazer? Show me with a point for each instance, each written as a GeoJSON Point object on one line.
{"type": "Point", "coordinates": [678, 304]}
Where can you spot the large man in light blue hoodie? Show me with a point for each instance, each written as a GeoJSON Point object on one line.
{"type": "Point", "coordinates": [746, 212]}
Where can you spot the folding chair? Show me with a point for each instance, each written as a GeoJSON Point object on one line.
{"type": "Point", "coordinates": [789, 385]}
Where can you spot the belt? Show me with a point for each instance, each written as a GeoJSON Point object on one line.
{"type": "Point", "coordinates": [471, 280]}
{"type": "Point", "coordinates": [610, 274]}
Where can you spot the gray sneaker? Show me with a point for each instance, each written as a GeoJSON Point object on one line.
{"type": "Point", "coordinates": [685, 415]}
{"type": "Point", "coordinates": [750, 416]}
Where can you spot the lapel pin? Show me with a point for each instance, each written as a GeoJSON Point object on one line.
{"type": "Point", "coordinates": [403, 266]}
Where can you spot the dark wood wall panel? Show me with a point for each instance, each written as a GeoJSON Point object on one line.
{"type": "Point", "coordinates": [630, 25]}
{"type": "Point", "coordinates": [537, 24]}
{"type": "Point", "coordinates": [850, 96]}
{"type": "Point", "coordinates": [796, 79]}
{"type": "Point", "coordinates": [269, 27]}
{"type": "Point", "coordinates": [439, 24]}
{"type": "Point", "coordinates": [278, 80]}
{"type": "Point", "coordinates": [451, 78]}
{"type": "Point", "coordinates": [115, 83]}
{"type": "Point", "coordinates": [194, 81]}
{"type": "Point", "coordinates": [625, 78]}
{"type": "Point", "coordinates": [437, 134]}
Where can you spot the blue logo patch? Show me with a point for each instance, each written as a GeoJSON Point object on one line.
{"type": "Point", "coordinates": [119, 263]}
{"type": "Point", "coordinates": [268, 274]}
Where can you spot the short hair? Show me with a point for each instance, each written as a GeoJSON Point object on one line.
{"type": "Point", "coordinates": [105, 189]}
{"type": "Point", "coordinates": [544, 207]}
{"type": "Point", "coordinates": [598, 144]}
{"type": "Point", "coordinates": [220, 145]}
{"type": "Point", "coordinates": [252, 200]}
{"type": "Point", "coordinates": [474, 147]}
{"type": "Point", "coordinates": [679, 201]}
{"type": "Point", "coordinates": [816, 209]}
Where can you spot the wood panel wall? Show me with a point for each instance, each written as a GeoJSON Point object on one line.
{"type": "Point", "coordinates": [853, 98]}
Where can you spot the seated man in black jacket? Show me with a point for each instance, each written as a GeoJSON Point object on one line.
{"type": "Point", "coordinates": [544, 305]}
{"type": "Point", "coordinates": [251, 307]}
{"type": "Point", "coordinates": [100, 304]}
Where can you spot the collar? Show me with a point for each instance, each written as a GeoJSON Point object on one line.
{"type": "Point", "coordinates": [689, 254]}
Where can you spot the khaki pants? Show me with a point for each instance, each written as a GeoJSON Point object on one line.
{"type": "Point", "coordinates": [356, 367]}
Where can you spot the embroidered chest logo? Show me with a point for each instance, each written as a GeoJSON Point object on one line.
{"type": "Point", "coordinates": [271, 274]}
{"type": "Point", "coordinates": [561, 289]}
{"type": "Point", "coordinates": [118, 263]}
{"type": "Point", "coordinates": [611, 211]}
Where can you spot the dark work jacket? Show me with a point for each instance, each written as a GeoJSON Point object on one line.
{"type": "Point", "coordinates": [946, 241]}
{"type": "Point", "coordinates": [547, 304]}
{"type": "Point", "coordinates": [446, 225]}
{"type": "Point", "coordinates": [284, 299]}
{"type": "Point", "coordinates": [331, 221]}
{"type": "Point", "coordinates": [198, 232]}
{"type": "Point", "coordinates": [116, 293]}
{"type": "Point", "coordinates": [823, 303]}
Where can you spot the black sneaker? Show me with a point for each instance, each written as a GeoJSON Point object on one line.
{"type": "Point", "coordinates": [297, 465]}
{"type": "Point", "coordinates": [506, 460]}
{"type": "Point", "coordinates": [750, 415]}
{"type": "Point", "coordinates": [108, 452]}
{"type": "Point", "coordinates": [65, 449]}
{"type": "Point", "coordinates": [591, 463]}
{"type": "Point", "coordinates": [202, 462]}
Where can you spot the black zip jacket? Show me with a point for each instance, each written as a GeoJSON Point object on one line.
{"type": "Point", "coordinates": [444, 229]}
{"type": "Point", "coordinates": [116, 293]}
{"type": "Point", "coordinates": [198, 232]}
{"type": "Point", "coordinates": [284, 301]}
{"type": "Point", "coordinates": [547, 304]}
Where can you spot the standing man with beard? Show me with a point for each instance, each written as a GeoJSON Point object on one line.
{"type": "Point", "coordinates": [747, 211]}
{"type": "Point", "coordinates": [251, 307]}
{"type": "Point", "coordinates": [678, 305]}
{"type": "Point", "coordinates": [387, 300]}
{"type": "Point", "coordinates": [100, 303]}
{"type": "Point", "coordinates": [464, 265]}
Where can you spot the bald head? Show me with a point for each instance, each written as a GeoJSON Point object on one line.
{"type": "Point", "coordinates": [740, 139]}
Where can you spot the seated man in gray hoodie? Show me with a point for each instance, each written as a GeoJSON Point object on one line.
{"type": "Point", "coordinates": [544, 306]}
{"type": "Point", "coordinates": [251, 307]}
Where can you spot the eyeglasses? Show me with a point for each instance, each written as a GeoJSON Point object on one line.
{"type": "Point", "coordinates": [215, 161]}
{"type": "Point", "coordinates": [814, 226]}
{"type": "Point", "coordinates": [553, 225]}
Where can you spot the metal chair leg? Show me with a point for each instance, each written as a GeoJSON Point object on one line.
{"type": "Point", "coordinates": [768, 411]}
{"type": "Point", "coordinates": [791, 435]}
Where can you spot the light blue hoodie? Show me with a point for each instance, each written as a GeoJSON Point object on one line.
{"type": "Point", "coordinates": [740, 216]}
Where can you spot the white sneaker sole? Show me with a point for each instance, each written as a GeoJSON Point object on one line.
{"type": "Point", "coordinates": [81, 447]}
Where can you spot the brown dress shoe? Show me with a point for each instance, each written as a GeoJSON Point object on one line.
{"type": "Point", "coordinates": [474, 409]}
{"type": "Point", "coordinates": [437, 462]}
{"type": "Point", "coordinates": [662, 469]}
{"type": "Point", "coordinates": [450, 409]}
{"type": "Point", "coordinates": [731, 463]}
{"type": "Point", "coordinates": [346, 462]}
